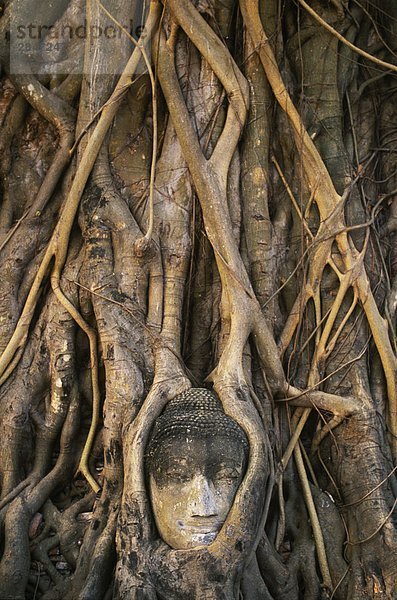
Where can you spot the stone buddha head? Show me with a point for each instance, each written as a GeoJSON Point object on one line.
{"type": "Point", "coordinates": [196, 460]}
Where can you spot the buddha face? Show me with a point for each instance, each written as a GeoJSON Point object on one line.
{"type": "Point", "coordinates": [192, 487]}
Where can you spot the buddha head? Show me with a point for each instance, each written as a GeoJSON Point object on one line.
{"type": "Point", "coordinates": [195, 462]}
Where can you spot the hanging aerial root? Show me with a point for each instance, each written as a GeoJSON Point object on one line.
{"type": "Point", "coordinates": [144, 242]}
{"type": "Point", "coordinates": [96, 399]}
{"type": "Point", "coordinates": [345, 41]}
{"type": "Point", "coordinates": [210, 178]}
{"type": "Point", "coordinates": [58, 245]}
{"type": "Point", "coordinates": [330, 205]}
{"type": "Point", "coordinates": [62, 116]}
{"type": "Point", "coordinates": [317, 532]}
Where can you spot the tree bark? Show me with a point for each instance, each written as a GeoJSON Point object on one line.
{"type": "Point", "coordinates": [210, 204]}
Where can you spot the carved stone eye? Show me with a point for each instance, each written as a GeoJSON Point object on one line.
{"type": "Point", "coordinates": [177, 477]}
{"type": "Point", "coordinates": [226, 475]}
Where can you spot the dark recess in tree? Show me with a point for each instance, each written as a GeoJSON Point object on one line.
{"type": "Point", "coordinates": [221, 212]}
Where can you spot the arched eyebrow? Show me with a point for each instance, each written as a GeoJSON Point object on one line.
{"type": "Point", "coordinates": [224, 461]}
{"type": "Point", "coordinates": [226, 464]}
{"type": "Point", "coordinates": [176, 463]}
{"type": "Point", "coordinates": [166, 464]}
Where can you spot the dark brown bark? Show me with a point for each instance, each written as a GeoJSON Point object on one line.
{"type": "Point", "coordinates": [260, 260]}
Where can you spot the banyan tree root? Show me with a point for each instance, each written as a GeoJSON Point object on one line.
{"type": "Point", "coordinates": [127, 296]}
{"type": "Point", "coordinates": [333, 226]}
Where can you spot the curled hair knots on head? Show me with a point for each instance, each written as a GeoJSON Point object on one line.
{"type": "Point", "coordinates": [197, 412]}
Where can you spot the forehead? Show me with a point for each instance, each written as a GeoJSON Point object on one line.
{"type": "Point", "coordinates": [196, 451]}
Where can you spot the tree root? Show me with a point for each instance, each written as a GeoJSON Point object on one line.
{"type": "Point", "coordinates": [329, 205]}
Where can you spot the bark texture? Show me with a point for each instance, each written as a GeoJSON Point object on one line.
{"type": "Point", "coordinates": [215, 205]}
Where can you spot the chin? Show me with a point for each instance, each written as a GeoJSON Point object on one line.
{"type": "Point", "coordinates": [202, 539]}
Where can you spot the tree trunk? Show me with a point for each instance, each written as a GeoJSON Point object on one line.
{"type": "Point", "coordinates": [213, 205]}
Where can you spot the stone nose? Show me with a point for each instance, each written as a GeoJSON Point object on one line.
{"type": "Point", "coordinates": [202, 498]}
